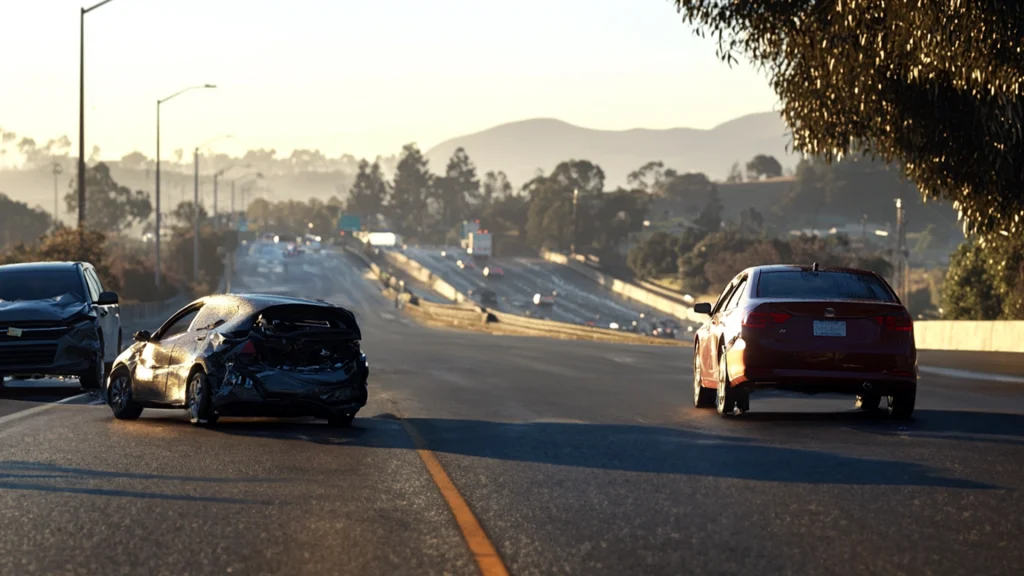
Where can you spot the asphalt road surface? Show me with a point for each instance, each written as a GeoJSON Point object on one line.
{"type": "Point", "coordinates": [579, 299]}
{"type": "Point", "coordinates": [572, 458]}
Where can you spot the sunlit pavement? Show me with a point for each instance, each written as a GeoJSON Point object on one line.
{"type": "Point", "coordinates": [575, 457]}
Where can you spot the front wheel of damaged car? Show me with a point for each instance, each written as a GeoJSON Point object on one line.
{"type": "Point", "coordinates": [120, 398]}
{"type": "Point", "coordinates": [92, 378]}
{"type": "Point", "coordinates": [199, 404]}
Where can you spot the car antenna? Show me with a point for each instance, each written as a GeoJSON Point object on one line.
{"type": "Point", "coordinates": [814, 267]}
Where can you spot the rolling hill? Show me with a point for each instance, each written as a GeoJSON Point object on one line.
{"type": "Point", "coordinates": [520, 148]}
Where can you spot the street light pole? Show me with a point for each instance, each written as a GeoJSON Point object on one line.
{"type": "Point", "coordinates": [57, 170]}
{"type": "Point", "coordinates": [575, 225]}
{"type": "Point", "coordinates": [195, 222]}
{"type": "Point", "coordinates": [81, 110]}
{"type": "Point", "coordinates": [156, 267]}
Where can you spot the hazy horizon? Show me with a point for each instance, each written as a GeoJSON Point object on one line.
{"type": "Point", "coordinates": [396, 81]}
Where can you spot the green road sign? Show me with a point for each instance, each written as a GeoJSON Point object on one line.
{"type": "Point", "coordinates": [349, 223]}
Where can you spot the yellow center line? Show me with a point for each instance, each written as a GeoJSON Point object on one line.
{"type": "Point", "coordinates": [484, 552]}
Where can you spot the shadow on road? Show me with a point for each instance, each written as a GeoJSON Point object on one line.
{"type": "Point", "coordinates": [630, 448]}
{"type": "Point", "coordinates": [41, 477]}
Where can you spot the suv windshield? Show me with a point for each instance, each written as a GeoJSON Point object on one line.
{"type": "Point", "coordinates": [823, 285]}
{"type": "Point", "coordinates": [40, 284]}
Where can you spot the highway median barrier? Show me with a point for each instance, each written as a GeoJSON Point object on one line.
{"type": "Point", "coordinates": [481, 319]}
{"type": "Point", "coordinates": [672, 306]}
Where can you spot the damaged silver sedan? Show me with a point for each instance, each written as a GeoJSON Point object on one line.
{"type": "Point", "coordinates": [245, 355]}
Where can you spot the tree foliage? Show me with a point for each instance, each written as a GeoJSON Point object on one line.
{"type": "Point", "coordinates": [369, 193]}
{"type": "Point", "coordinates": [710, 216]}
{"type": "Point", "coordinates": [456, 191]}
{"type": "Point", "coordinates": [109, 205]}
{"type": "Point", "coordinates": [985, 281]}
{"type": "Point", "coordinates": [763, 166]}
{"type": "Point", "coordinates": [412, 188]}
{"type": "Point", "coordinates": [20, 223]}
{"type": "Point", "coordinates": [935, 86]}
{"type": "Point", "coordinates": [495, 187]}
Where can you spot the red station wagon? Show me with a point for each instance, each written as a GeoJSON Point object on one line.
{"type": "Point", "coordinates": [806, 329]}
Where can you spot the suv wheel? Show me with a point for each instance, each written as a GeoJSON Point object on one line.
{"type": "Point", "coordinates": [92, 379]}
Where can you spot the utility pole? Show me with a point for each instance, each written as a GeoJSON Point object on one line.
{"type": "Point", "coordinates": [216, 177]}
{"type": "Point", "coordinates": [234, 216]}
{"type": "Point", "coordinates": [57, 170]}
{"type": "Point", "coordinates": [901, 277]}
{"type": "Point", "coordinates": [156, 233]}
{"type": "Point", "coordinates": [576, 224]}
{"type": "Point", "coordinates": [195, 221]}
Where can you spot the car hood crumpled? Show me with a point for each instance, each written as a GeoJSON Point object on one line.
{"type": "Point", "coordinates": [50, 309]}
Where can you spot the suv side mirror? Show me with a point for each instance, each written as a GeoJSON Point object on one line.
{"type": "Point", "coordinates": [143, 336]}
{"type": "Point", "coordinates": [702, 308]}
{"type": "Point", "coordinates": [107, 299]}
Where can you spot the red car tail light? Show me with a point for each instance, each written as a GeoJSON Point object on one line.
{"type": "Point", "coordinates": [763, 319]}
{"type": "Point", "coordinates": [896, 322]}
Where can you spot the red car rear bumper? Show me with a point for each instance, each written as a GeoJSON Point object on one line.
{"type": "Point", "coordinates": [828, 373]}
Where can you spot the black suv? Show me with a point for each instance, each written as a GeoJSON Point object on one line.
{"type": "Point", "coordinates": [56, 320]}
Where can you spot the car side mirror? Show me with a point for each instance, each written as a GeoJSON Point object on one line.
{"type": "Point", "coordinates": [107, 298]}
{"type": "Point", "coordinates": [702, 308]}
{"type": "Point", "coordinates": [143, 336]}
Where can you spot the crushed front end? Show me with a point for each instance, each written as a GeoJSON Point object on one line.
{"type": "Point", "coordinates": [292, 364]}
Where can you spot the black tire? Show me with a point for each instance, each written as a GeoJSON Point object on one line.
{"type": "Point", "coordinates": [92, 379]}
{"type": "Point", "coordinates": [868, 402]}
{"type": "Point", "coordinates": [341, 420]}
{"type": "Point", "coordinates": [198, 402]}
{"type": "Point", "coordinates": [109, 366]}
{"type": "Point", "coordinates": [901, 404]}
{"type": "Point", "coordinates": [703, 397]}
{"type": "Point", "coordinates": [120, 397]}
{"type": "Point", "coordinates": [725, 396]}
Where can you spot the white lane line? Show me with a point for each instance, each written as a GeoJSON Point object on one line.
{"type": "Point", "coordinates": [387, 316]}
{"type": "Point", "coordinates": [38, 409]}
{"type": "Point", "coordinates": [969, 375]}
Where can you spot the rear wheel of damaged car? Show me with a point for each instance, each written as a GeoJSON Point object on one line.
{"type": "Point", "coordinates": [198, 401]}
{"type": "Point", "coordinates": [92, 378]}
{"type": "Point", "coordinates": [120, 396]}
{"type": "Point", "coordinates": [901, 403]}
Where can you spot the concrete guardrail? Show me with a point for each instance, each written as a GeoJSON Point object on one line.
{"type": "Point", "coordinates": [963, 335]}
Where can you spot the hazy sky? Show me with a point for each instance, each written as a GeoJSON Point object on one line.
{"type": "Point", "coordinates": [360, 77]}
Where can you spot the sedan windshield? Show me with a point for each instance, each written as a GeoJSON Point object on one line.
{"type": "Point", "coordinates": [809, 285]}
{"type": "Point", "coordinates": [28, 284]}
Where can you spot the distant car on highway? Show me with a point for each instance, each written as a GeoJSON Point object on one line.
{"type": "Point", "coordinates": [493, 272]}
{"type": "Point", "coordinates": [245, 355]}
{"type": "Point", "coordinates": [56, 319]}
{"type": "Point", "coordinates": [488, 297]}
{"type": "Point", "coordinates": [543, 299]}
{"type": "Point", "coordinates": [466, 264]}
{"type": "Point", "coordinates": [806, 329]}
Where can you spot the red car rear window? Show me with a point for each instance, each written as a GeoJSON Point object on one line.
{"type": "Point", "coordinates": [809, 285]}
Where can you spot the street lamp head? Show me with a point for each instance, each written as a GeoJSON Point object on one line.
{"type": "Point", "coordinates": [209, 86]}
